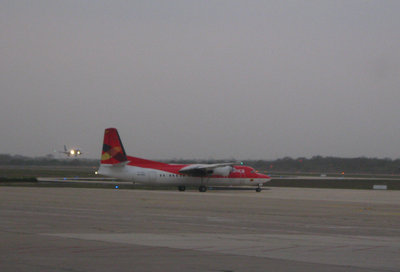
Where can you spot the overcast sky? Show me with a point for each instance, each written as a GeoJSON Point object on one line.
{"type": "Point", "coordinates": [201, 79]}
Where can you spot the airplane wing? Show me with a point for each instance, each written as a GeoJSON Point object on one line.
{"type": "Point", "coordinates": [201, 170]}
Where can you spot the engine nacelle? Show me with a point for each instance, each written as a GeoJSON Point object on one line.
{"type": "Point", "coordinates": [223, 170]}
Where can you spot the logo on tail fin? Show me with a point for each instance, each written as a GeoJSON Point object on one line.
{"type": "Point", "coordinates": [113, 150]}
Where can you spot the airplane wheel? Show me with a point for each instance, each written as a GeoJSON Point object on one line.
{"type": "Point", "coordinates": [181, 188]}
{"type": "Point", "coordinates": [258, 190]}
{"type": "Point", "coordinates": [202, 188]}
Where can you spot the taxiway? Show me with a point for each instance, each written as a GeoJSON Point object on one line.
{"type": "Point", "coordinates": [281, 229]}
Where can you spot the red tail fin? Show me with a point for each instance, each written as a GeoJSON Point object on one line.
{"type": "Point", "coordinates": [113, 150]}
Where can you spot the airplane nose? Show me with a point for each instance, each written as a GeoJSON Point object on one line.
{"type": "Point", "coordinates": [265, 176]}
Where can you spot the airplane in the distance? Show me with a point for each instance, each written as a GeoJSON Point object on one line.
{"type": "Point", "coordinates": [115, 163]}
{"type": "Point", "coordinates": [73, 152]}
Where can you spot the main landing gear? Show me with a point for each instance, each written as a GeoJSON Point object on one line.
{"type": "Point", "coordinates": [181, 188]}
{"type": "Point", "coordinates": [258, 189]}
{"type": "Point", "coordinates": [202, 188]}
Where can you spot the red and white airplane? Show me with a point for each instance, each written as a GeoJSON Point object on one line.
{"type": "Point", "coordinates": [115, 163]}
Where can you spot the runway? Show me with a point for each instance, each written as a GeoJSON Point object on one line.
{"type": "Point", "coordinates": [281, 229]}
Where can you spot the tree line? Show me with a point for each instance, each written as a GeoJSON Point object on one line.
{"type": "Point", "coordinates": [323, 165]}
{"type": "Point", "coordinates": [49, 160]}
{"type": "Point", "coordinates": [319, 164]}
{"type": "Point", "coordinates": [316, 164]}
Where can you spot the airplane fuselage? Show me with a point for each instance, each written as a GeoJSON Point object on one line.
{"type": "Point", "coordinates": [140, 175]}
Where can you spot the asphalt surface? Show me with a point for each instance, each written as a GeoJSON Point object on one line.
{"type": "Point", "coordinates": [281, 229]}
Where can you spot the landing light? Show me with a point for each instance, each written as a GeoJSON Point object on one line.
{"type": "Point", "coordinates": [72, 152]}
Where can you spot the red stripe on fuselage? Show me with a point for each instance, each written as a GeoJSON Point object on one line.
{"type": "Point", "coordinates": [166, 167]}
{"type": "Point", "coordinates": [239, 171]}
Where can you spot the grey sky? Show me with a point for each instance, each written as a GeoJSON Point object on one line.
{"type": "Point", "coordinates": [201, 79]}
